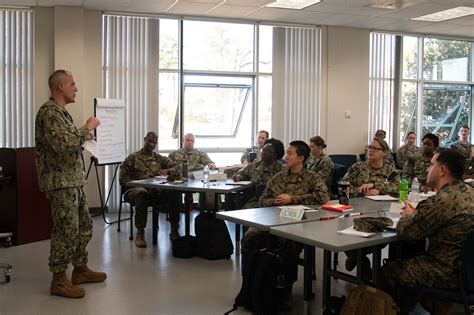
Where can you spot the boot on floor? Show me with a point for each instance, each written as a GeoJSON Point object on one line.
{"type": "Point", "coordinates": [140, 238]}
{"type": "Point", "coordinates": [61, 286]}
{"type": "Point", "coordinates": [84, 275]}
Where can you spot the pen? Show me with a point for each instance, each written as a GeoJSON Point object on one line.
{"type": "Point", "coordinates": [328, 218]}
{"type": "Point", "coordinates": [352, 214]}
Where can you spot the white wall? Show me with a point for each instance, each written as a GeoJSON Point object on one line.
{"type": "Point", "coordinates": [347, 89]}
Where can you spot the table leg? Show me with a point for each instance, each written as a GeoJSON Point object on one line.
{"type": "Point", "coordinates": [309, 260]}
{"type": "Point", "coordinates": [155, 216]}
{"type": "Point", "coordinates": [188, 207]}
{"type": "Point", "coordinates": [376, 261]}
{"type": "Point", "coordinates": [326, 276]}
{"type": "Point", "coordinates": [237, 239]}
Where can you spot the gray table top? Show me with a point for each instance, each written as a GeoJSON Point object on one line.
{"type": "Point", "coordinates": [264, 218]}
{"type": "Point", "coordinates": [323, 234]}
{"type": "Point", "coordinates": [220, 186]}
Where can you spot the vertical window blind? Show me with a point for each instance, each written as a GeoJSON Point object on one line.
{"type": "Point", "coordinates": [381, 84]}
{"type": "Point", "coordinates": [16, 78]}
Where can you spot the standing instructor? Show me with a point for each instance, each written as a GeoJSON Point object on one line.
{"type": "Point", "coordinates": [61, 176]}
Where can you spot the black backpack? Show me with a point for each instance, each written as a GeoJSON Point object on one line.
{"type": "Point", "coordinates": [263, 285]}
{"type": "Point", "coordinates": [213, 239]}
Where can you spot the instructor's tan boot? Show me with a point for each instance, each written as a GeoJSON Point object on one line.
{"type": "Point", "coordinates": [84, 275]}
{"type": "Point", "coordinates": [140, 238]}
{"type": "Point", "coordinates": [63, 287]}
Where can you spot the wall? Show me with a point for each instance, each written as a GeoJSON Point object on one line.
{"type": "Point", "coordinates": [70, 38]}
{"type": "Point", "coordinates": [346, 61]}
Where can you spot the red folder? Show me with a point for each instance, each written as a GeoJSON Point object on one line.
{"type": "Point", "coordinates": [336, 207]}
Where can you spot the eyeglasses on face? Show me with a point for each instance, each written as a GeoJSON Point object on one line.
{"type": "Point", "coordinates": [371, 148]}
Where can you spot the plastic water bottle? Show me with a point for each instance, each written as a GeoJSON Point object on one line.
{"type": "Point", "coordinates": [415, 185]}
{"type": "Point", "coordinates": [403, 190]}
{"type": "Point", "coordinates": [205, 175]}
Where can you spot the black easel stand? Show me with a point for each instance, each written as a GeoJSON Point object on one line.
{"type": "Point", "coordinates": [102, 204]}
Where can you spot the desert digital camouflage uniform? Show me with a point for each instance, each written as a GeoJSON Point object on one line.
{"type": "Point", "coordinates": [196, 158]}
{"type": "Point", "coordinates": [416, 166]}
{"type": "Point", "coordinates": [142, 165]}
{"type": "Point", "coordinates": [322, 166]}
{"type": "Point", "coordinates": [259, 174]}
{"type": "Point", "coordinates": [385, 179]}
{"type": "Point", "coordinates": [404, 153]}
{"type": "Point", "coordinates": [444, 219]}
{"type": "Point", "coordinates": [463, 148]}
{"type": "Point", "coordinates": [245, 155]}
{"type": "Point", "coordinates": [305, 188]}
{"type": "Point", "coordinates": [61, 176]}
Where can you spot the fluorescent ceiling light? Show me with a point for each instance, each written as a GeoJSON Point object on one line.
{"type": "Point", "coordinates": [292, 4]}
{"type": "Point", "coordinates": [446, 14]}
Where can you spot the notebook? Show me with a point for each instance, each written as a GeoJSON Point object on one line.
{"type": "Point", "coordinates": [336, 207]}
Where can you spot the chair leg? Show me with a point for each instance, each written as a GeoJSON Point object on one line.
{"type": "Point", "coordinates": [119, 216]}
{"type": "Point", "coordinates": [336, 261]}
{"type": "Point", "coordinates": [131, 223]}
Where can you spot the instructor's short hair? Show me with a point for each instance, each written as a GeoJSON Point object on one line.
{"type": "Point", "coordinates": [55, 78]}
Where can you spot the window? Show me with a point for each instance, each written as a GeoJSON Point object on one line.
{"type": "Point", "coordinates": [222, 94]}
{"type": "Point", "coordinates": [436, 85]}
{"type": "Point", "coordinates": [16, 78]}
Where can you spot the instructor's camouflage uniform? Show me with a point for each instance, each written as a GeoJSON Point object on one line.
{"type": "Point", "coordinates": [385, 179]}
{"type": "Point", "coordinates": [444, 219]}
{"type": "Point", "coordinates": [61, 176]}
{"type": "Point", "coordinates": [404, 153]}
{"type": "Point", "coordinates": [259, 174]}
{"type": "Point", "coordinates": [322, 166]}
{"type": "Point", "coordinates": [306, 188]}
{"type": "Point", "coordinates": [142, 165]}
{"type": "Point", "coordinates": [416, 166]}
{"type": "Point", "coordinates": [196, 158]}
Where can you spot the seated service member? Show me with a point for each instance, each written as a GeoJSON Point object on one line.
{"type": "Point", "coordinates": [261, 137]}
{"type": "Point", "coordinates": [196, 158]}
{"type": "Point", "coordinates": [374, 176]}
{"type": "Point", "coordinates": [382, 134]}
{"type": "Point", "coordinates": [143, 164]}
{"type": "Point", "coordinates": [319, 162]}
{"type": "Point", "coordinates": [261, 171]}
{"type": "Point", "coordinates": [445, 220]}
{"type": "Point", "coordinates": [469, 172]}
{"type": "Point", "coordinates": [296, 185]}
{"type": "Point", "coordinates": [462, 145]}
{"type": "Point", "coordinates": [409, 149]}
{"type": "Point", "coordinates": [417, 166]}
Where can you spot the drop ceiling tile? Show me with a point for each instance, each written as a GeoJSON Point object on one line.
{"type": "Point", "coordinates": [267, 14]}
{"type": "Point", "coordinates": [97, 3]}
{"type": "Point", "coordinates": [233, 11]}
{"type": "Point", "coordinates": [402, 25]}
{"type": "Point", "coordinates": [465, 20]}
{"type": "Point", "coordinates": [253, 3]}
{"type": "Point", "coordinates": [60, 2]}
{"type": "Point", "coordinates": [313, 18]}
{"type": "Point", "coordinates": [435, 28]}
{"type": "Point", "coordinates": [18, 2]}
{"type": "Point", "coordinates": [371, 23]}
{"type": "Point", "coordinates": [191, 8]}
{"type": "Point", "coordinates": [462, 31]}
{"type": "Point", "coordinates": [417, 10]}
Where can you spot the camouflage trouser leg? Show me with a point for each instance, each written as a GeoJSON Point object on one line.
{"type": "Point", "coordinates": [141, 199]}
{"type": "Point", "coordinates": [406, 275]}
{"type": "Point", "coordinates": [72, 228]}
{"type": "Point", "coordinates": [171, 203]}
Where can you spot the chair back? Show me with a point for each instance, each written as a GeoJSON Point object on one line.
{"type": "Point", "coordinates": [259, 188]}
{"type": "Point", "coordinates": [339, 172]}
{"type": "Point", "coordinates": [467, 257]}
{"type": "Point", "coordinates": [344, 159]}
{"type": "Point", "coordinates": [362, 157]}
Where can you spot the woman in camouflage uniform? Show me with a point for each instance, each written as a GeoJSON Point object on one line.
{"type": "Point", "coordinates": [409, 149]}
{"type": "Point", "coordinates": [319, 162]}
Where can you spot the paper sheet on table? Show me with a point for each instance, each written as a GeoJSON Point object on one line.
{"type": "Point", "coordinates": [240, 183]}
{"type": "Point", "coordinates": [396, 207]}
{"type": "Point", "coordinates": [382, 198]}
{"type": "Point", "coordinates": [296, 207]}
{"type": "Point", "coordinates": [92, 147]}
{"type": "Point", "coordinates": [352, 232]}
